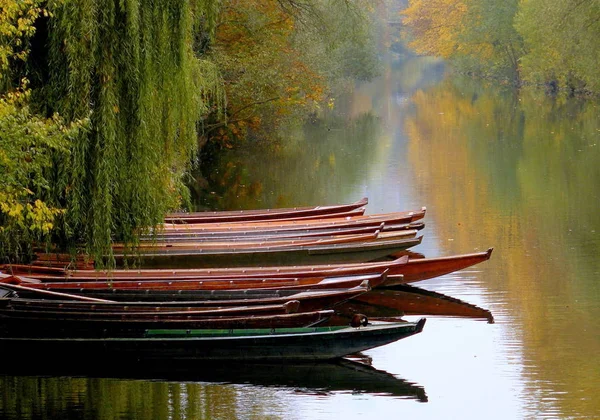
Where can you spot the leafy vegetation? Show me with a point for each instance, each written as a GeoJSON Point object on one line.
{"type": "Point", "coordinates": [280, 60]}
{"type": "Point", "coordinates": [104, 103]}
{"type": "Point", "coordinates": [539, 41]}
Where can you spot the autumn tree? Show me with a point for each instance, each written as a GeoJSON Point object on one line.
{"type": "Point", "coordinates": [435, 26]}
{"type": "Point", "coordinates": [28, 142]}
{"type": "Point", "coordinates": [279, 58]}
{"type": "Point", "coordinates": [490, 39]}
{"type": "Point", "coordinates": [540, 41]}
{"type": "Point", "coordinates": [562, 42]}
{"type": "Point", "coordinates": [478, 35]}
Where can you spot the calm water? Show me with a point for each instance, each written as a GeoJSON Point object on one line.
{"type": "Point", "coordinates": [514, 170]}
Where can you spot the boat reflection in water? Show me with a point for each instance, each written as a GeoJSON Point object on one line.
{"type": "Point", "coordinates": [323, 378]}
{"type": "Point", "coordinates": [391, 303]}
{"type": "Point", "coordinates": [152, 385]}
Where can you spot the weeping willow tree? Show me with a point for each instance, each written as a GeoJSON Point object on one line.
{"type": "Point", "coordinates": [129, 68]}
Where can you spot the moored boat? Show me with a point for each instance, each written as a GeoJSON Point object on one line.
{"type": "Point", "coordinates": [265, 214]}
{"type": "Point", "coordinates": [212, 286]}
{"type": "Point", "coordinates": [233, 257]}
{"type": "Point", "coordinates": [412, 269]}
{"type": "Point", "coordinates": [418, 269]}
{"type": "Point", "coordinates": [25, 298]}
{"type": "Point", "coordinates": [282, 233]}
{"type": "Point", "coordinates": [394, 218]}
{"type": "Point", "coordinates": [52, 324]}
{"type": "Point", "coordinates": [316, 343]}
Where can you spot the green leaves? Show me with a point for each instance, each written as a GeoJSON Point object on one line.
{"type": "Point", "coordinates": [562, 42]}
{"type": "Point", "coordinates": [540, 41]}
{"type": "Point", "coordinates": [29, 145]}
{"type": "Point", "coordinates": [130, 89]}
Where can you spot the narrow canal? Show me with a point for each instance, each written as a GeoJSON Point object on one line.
{"type": "Point", "coordinates": [517, 171]}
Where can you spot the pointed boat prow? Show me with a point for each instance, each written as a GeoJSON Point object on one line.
{"type": "Point", "coordinates": [420, 325]}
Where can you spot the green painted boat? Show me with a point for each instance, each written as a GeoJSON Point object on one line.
{"type": "Point", "coordinates": [278, 345]}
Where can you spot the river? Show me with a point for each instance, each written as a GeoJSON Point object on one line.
{"type": "Point", "coordinates": [495, 167]}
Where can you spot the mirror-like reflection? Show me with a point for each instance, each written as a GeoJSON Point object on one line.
{"type": "Point", "coordinates": [186, 391]}
{"type": "Point", "coordinates": [521, 171]}
{"type": "Point", "coordinates": [517, 171]}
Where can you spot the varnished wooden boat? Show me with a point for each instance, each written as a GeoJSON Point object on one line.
{"type": "Point", "coordinates": [233, 257]}
{"type": "Point", "coordinates": [317, 343]}
{"type": "Point", "coordinates": [269, 249]}
{"type": "Point", "coordinates": [265, 214]}
{"type": "Point", "coordinates": [48, 274]}
{"type": "Point", "coordinates": [291, 233]}
{"type": "Point", "coordinates": [70, 325]}
{"type": "Point", "coordinates": [313, 224]}
{"type": "Point", "coordinates": [418, 269]}
{"type": "Point", "coordinates": [271, 243]}
{"type": "Point", "coordinates": [181, 287]}
{"type": "Point", "coordinates": [412, 269]}
{"type": "Point", "coordinates": [155, 301]}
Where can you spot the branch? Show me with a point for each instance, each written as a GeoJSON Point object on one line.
{"type": "Point", "coordinates": [212, 127]}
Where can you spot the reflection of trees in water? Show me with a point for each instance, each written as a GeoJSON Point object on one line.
{"type": "Point", "coordinates": [104, 398]}
{"type": "Point", "coordinates": [321, 162]}
{"type": "Point", "coordinates": [318, 164]}
{"type": "Point", "coordinates": [72, 397]}
{"type": "Point", "coordinates": [520, 173]}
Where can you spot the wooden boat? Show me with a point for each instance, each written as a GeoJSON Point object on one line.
{"type": "Point", "coordinates": [167, 236]}
{"type": "Point", "coordinates": [48, 274]}
{"type": "Point", "coordinates": [316, 343]}
{"type": "Point", "coordinates": [412, 269]}
{"type": "Point", "coordinates": [199, 300]}
{"type": "Point", "coordinates": [180, 287]}
{"type": "Point", "coordinates": [265, 214]}
{"type": "Point", "coordinates": [271, 243]}
{"type": "Point", "coordinates": [408, 300]}
{"type": "Point", "coordinates": [68, 326]}
{"type": "Point", "coordinates": [313, 224]}
{"type": "Point", "coordinates": [418, 269]}
{"type": "Point", "coordinates": [233, 257]}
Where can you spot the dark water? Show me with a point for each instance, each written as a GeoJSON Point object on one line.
{"type": "Point", "coordinates": [514, 170]}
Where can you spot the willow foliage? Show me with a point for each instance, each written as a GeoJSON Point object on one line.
{"type": "Point", "coordinates": [126, 71]}
{"type": "Point", "coordinates": [130, 67]}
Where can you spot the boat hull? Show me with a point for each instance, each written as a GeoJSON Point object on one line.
{"type": "Point", "coordinates": [306, 345]}
{"type": "Point", "coordinates": [339, 253]}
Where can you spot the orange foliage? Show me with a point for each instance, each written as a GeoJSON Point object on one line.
{"type": "Point", "coordinates": [435, 25]}
{"type": "Point", "coordinates": [266, 73]}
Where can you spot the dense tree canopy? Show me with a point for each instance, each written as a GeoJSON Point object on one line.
{"type": "Point", "coordinates": [103, 103]}
{"type": "Point", "coordinates": [541, 41]}
{"type": "Point", "coordinates": [280, 59]}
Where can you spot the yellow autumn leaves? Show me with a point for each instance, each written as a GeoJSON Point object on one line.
{"type": "Point", "coordinates": [540, 41]}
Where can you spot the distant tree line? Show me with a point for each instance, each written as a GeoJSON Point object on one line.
{"type": "Point", "coordinates": [551, 42]}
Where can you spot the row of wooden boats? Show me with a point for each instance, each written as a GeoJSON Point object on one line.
{"type": "Point", "coordinates": [306, 283]}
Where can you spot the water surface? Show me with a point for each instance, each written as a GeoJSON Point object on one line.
{"type": "Point", "coordinates": [517, 171]}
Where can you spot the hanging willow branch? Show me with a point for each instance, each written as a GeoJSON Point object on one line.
{"type": "Point", "coordinates": [128, 66]}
